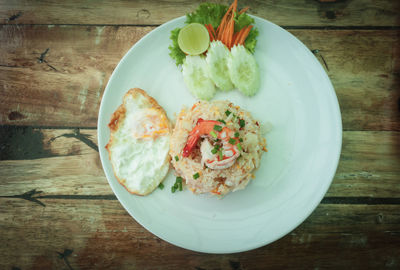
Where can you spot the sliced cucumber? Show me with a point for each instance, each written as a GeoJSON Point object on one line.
{"type": "Point", "coordinates": [243, 70]}
{"type": "Point", "coordinates": [217, 60]}
{"type": "Point", "coordinates": [196, 77]}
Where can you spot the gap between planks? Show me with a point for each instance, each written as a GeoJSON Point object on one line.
{"type": "Point", "coordinates": [112, 197]}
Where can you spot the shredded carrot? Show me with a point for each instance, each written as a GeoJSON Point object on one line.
{"type": "Point", "coordinates": [225, 31]}
{"type": "Point", "coordinates": [243, 10]}
{"type": "Point", "coordinates": [231, 32]}
{"type": "Point", "coordinates": [238, 36]}
{"type": "Point", "coordinates": [213, 32]}
{"type": "Point", "coordinates": [227, 23]}
{"type": "Point", "coordinates": [234, 38]}
{"type": "Point", "coordinates": [209, 27]}
{"type": "Point", "coordinates": [245, 34]}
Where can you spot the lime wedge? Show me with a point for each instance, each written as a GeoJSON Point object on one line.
{"type": "Point", "coordinates": [193, 39]}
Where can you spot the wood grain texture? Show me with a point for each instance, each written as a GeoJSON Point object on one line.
{"type": "Point", "coordinates": [282, 12]}
{"type": "Point", "coordinates": [68, 83]}
{"type": "Point", "coordinates": [101, 235]}
{"type": "Point", "coordinates": [68, 86]}
{"type": "Point", "coordinates": [369, 165]}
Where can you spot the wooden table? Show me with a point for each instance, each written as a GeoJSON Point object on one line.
{"type": "Point", "coordinates": [57, 210]}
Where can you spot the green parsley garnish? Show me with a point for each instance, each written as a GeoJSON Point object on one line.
{"type": "Point", "coordinates": [212, 133]}
{"type": "Point", "coordinates": [232, 141]}
{"type": "Point", "coordinates": [161, 186]}
{"type": "Point", "coordinates": [217, 128]}
{"type": "Point", "coordinates": [241, 123]}
{"type": "Point", "coordinates": [222, 121]}
{"type": "Point", "coordinates": [227, 113]}
{"type": "Point", "coordinates": [236, 134]}
{"type": "Point", "coordinates": [176, 158]}
{"type": "Point", "coordinates": [196, 175]}
{"type": "Point", "coordinates": [240, 140]}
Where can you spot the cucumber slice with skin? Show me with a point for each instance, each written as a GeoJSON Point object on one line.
{"type": "Point", "coordinates": [196, 77]}
{"type": "Point", "coordinates": [243, 70]}
{"type": "Point", "coordinates": [217, 61]}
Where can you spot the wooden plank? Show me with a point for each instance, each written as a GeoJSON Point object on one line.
{"type": "Point", "coordinates": [294, 13]}
{"type": "Point", "coordinates": [369, 165]}
{"type": "Point", "coordinates": [66, 88]}
{"type": "Point", "coordinates": [100, 234]}
{"type": "Point", "coordinates": [364, 70]}
{"type": "Point", "coordinates": [50, 76]}
{"type": "Point", "coordinates": [65, 162]}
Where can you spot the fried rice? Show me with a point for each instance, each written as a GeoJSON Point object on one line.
{"type": "Point", "coordinates": [202, 179]}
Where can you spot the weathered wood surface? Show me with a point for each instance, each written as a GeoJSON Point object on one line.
{"type": "Point", "coordinates": [66, 85]}
{"type": "Point", "coordinates": [65, 162]}
{"type": "Point", "coordinates": [101, 235]}
{"type": "Point", "coordinates": [57, 210]}
{"type": "Point", "coordinates": [282, 12]}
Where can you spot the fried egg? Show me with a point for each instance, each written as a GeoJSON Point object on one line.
{"type": "Point", "coordinates": [139, 142]}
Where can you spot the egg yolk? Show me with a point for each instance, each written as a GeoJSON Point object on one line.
{"type": "Point", "coordinates": [150, 124]}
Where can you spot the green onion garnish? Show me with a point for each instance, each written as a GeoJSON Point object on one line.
{"type": "Point", "coordinates": [222, 121]}
{"type": "Point", "coordinates": [212, 133]}
{"type": "Point", "coordinates": [161, 186]}
{"type": "Point", "coordinates": [227, 113]}
{"type": "Point", "coordinates": [180, 186]}
{"type": "Point", "coordinates": [196, 175]}
{"type": "Point", "coordinates": [177, 185]}
{"type": "Point", "coordinates": [241, 123]}
{"type": "Point", "coordinates": [214, 151]}
{"type": "Point", "coordinates": [236, 134]}
{"type": "Point", "coordinates": [220, 154]}
{"type": "Point", "coordinates": [176, 158]}
{"type": "Point", "coordinates": [239, 147]}
{"type": "Point", "coordinates": [217, 128]}
{"type": "Point", "coordinates": [232, 141]}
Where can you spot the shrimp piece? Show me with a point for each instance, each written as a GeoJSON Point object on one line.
{"type": "Point", "coordinates": [201, 129]}
{"type": "Point", "coordinates": [228, 152]}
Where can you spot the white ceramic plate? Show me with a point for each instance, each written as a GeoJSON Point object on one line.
{"type": "Point", "coordinates": [296, 97]}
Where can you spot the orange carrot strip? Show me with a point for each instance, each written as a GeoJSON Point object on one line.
{"type": "Point", "coordinates": [234, 7]}
{"type": "Point", "coordinates": [213, 31]}
{"type": "Point", "coordinates": [222, 26]}
{"type": "Point", "coordinates": [231, 30]}
{"type": "Point", "coordinates": [245, 34]}
{"type": "Point", "coordinates": [234, 38]}
{"type": "Point", "coordinates": [209, 27]}
{"type": "Point", "coordinates": [231, 24]}
{"type": "Point", "coordinates": [238, 36]}
{"type": "Point", "coordinates": [243, 10]}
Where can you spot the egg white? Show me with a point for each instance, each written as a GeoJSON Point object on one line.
{"type": "Point", "coordinates": [139, 146]}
